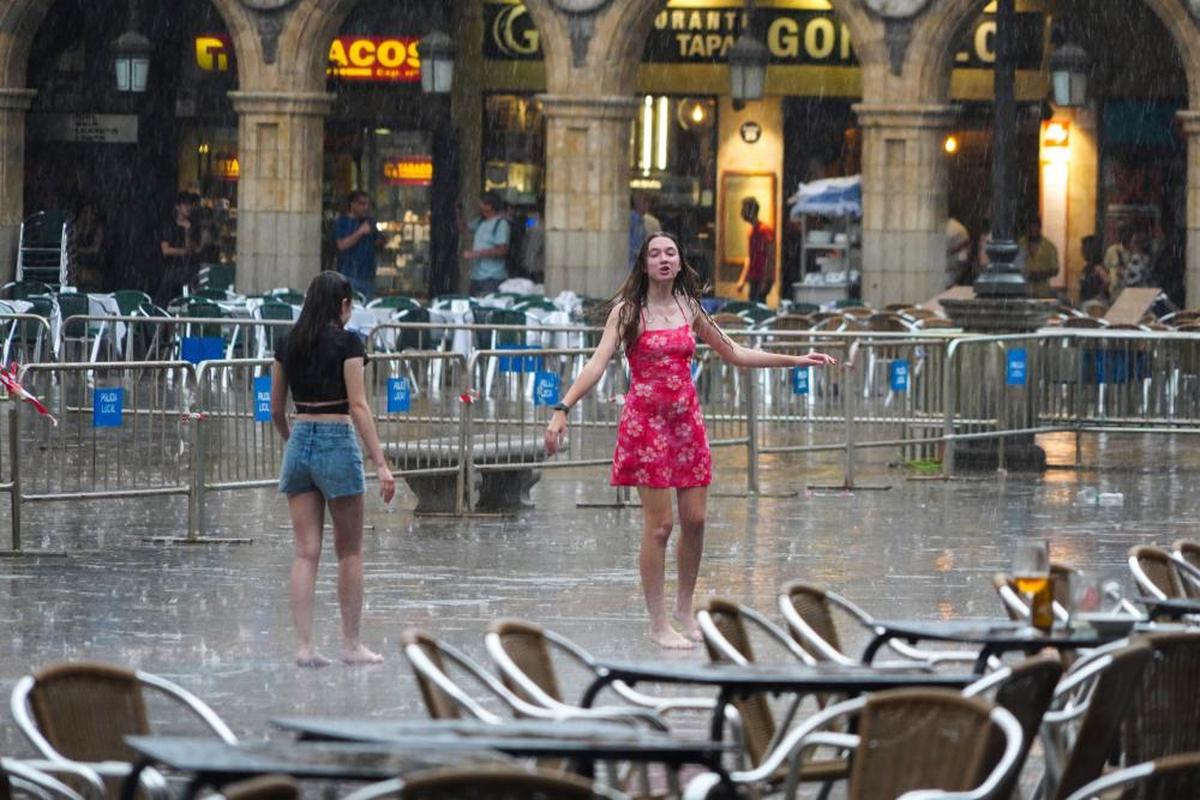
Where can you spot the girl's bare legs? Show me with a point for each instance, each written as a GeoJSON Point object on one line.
{"type": "Point", "coordinates": [656, 514]}
{"type": "Point", "coordinates": [308, 515]}
{"type": "Point", "coordinates": [347, 513]}
{"type": "Point", "coordinates": [688, 549]}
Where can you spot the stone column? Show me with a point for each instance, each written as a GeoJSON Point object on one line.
{"type": "Point", "coordinates": [280, 145]}
{"type": "Point", "coordinates": [904, 201]}
{"type": "Point", "coordinates": [587, 192]}
{"type": "Point", "coordinates": [1191, 127]}
{"type": "Point", "coordinates": [13, 105]}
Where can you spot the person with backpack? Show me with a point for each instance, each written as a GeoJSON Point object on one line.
{"type": "Point", "coordinates": [489, 251]}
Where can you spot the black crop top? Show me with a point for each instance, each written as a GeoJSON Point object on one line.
{"type": "Point", "coordinates": [319, 377]}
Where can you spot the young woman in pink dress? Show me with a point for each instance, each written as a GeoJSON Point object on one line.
{"type": "Point", "coordinates": [661, 442]}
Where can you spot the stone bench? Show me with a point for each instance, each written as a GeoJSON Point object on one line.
{"type": "Point", "coordinates": [500, 490]}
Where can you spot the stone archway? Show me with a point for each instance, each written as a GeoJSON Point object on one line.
{"type": "Point", "coordinates": [933, 45]}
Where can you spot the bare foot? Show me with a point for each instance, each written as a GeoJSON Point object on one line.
{"type": "Point", "coordinates": [361, 655]}
{"type": "Point", "coordinates": [689, 628]}
{"type": "Point", "coordinates": [310, 659]}
{"type": "Point", "coordinates": [671, 639]}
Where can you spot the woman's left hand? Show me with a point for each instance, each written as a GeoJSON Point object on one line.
{"type": "Point", "coordinates": [817, 360]}
{"type": "Point", "coordinates": [387, 483]}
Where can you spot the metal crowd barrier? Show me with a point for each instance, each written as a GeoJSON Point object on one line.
{"type": "Point", "coordinates": [25, 339]}
{"type": "Point", "coordinates": [89, 337]}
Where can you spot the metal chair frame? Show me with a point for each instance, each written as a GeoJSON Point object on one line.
{"type": "Point", "coordinates": [913, 656]}
{"type": "Point", "coordinates": [811, 734]}
{"type": "Point", "coordinates": [1143, 579]}
{"type": "Point", "coordinates": [1189, 571]}
{"type": "Point", "coordinates": [34, 777]}
{"type": "Point", "coordinates": [1138, 773]}
{"type": "Point", "coordinates": [642, 706]}
{"type": "Point", "coordinates": [151, 780]}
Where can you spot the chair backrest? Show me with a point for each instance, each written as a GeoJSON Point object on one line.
{"type": "Point", "coordinates": [920, 739]}
{"type": "Point", "coordinates": [792, 322]}
{"type": "Point", "coordinates": [73, 304]}
{"type": "Point", "coordinates": [1084, 322]}
{"type": "Point", "coordinates": [758, 724]}
{"type": "Point", "coordinates": [394, 301]}
{"type": "Point", "coordinates": [20, 290]}
{"type": "Point", "coordinates": [525, 643]}
{"type": "Point", "coordinates": [1188, 552]}
{"type": "Point", "coordinates": [1026, 694]}
{"type": "Point", "coordinates": [496, 783]}
{"type": "Point", "coordinates": [84, 710]}
{"type": "Point", "coordinates": [262, 787]}
{"type": "Point", "coordinates": [1170, 777]}
{"type": "Point", "coordinates": [887, 322]}
{"type": "Point", "coordinates": [936, 323]}
{"type": "Point", "coordinates": [1010, 597]}
{"type": "Point", "coordinates": [1156, 567]}
{"type": "Point", "coordinates": [210, 293]}
{"type": "Point", "coordinates": [437, 702]}
{"type": "Point", "coordinates": [813, 607]}
{"type": "Point", "coordinates": [856, 311]}
{"type": "Point", "coordinates": [730, 322]}
{"type": "Point", "coordinates": [1098, 729]}
{"type": "Point", "coordinates": [130, 301]}
{"type": "Point", "coordinates": [1161, 719]}
{"type": "Point", "coordinates": [290, 296]}
{"type": "Point", "coordinates": [274, 309]}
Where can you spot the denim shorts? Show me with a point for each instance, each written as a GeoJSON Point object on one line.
{"type": "Point", "coordinates": [322, 456]}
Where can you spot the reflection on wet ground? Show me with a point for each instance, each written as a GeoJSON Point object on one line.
{"type": "Point", "coordinates": [215, 618]}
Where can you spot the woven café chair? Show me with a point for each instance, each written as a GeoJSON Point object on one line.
{"type": "Point", "coordinates": [857, 312]}
{"type": "Point", "coordinates": [262, 787]}
{"type": "Point", "coordinates": [936, 323]}
{"type": "Point", "coordinates": [486, 783]}
{"type": "Point", "coordinates": [432, 662]}
{"type": "Point", "coordinates": [1186, 555]}
{"type": "Point", "coordinates": [906, 740]}
{"type": "Point", "coordinates": [1015, 605]}
{"type": "Point", "coordinates": [808, 612]}
{"type": "Point", "coordinates": [731, 322]}
{"type": "Point", "coordinates": [1025, 690]}
{"type": "Point", "coordinates": [1078, 735]}
{"type": "Point", "coordinates": [1155, 572]}
{"type": "Point", "coordinates": [1171, 777]}
{"type": "Point", "coordinates": [727, 639]}
{"type": "Point", "coordinates": [22, 779]}
{"type": "Point", "coordinates": [1161, 719]}
{"type": "Point", "coordinates": [886, 321]}
{"type": "Point", "coordinates": [792, 322]}
{"type": "Point", "coordinates": [521, 651]}
{"type": "Point", "coordinates": [80, 712]}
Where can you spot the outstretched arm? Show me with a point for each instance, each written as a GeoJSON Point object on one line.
{"type": "Point", "coordinates": [587, 378]}
{"type": "Point", "coordinates": [740, 356]}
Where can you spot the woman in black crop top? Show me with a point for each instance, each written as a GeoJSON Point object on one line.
{"type": "Point", "coordinates": [322, 364]}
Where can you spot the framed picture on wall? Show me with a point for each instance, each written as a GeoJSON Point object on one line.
{"type": "Point", "coordinates": [734, 232]}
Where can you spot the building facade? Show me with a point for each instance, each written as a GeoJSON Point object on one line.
{"type": "Point", "coordinates": [274, 109]}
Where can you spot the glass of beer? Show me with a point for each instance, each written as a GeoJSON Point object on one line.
{"type": "Point", "coordinates": [1031, 571]}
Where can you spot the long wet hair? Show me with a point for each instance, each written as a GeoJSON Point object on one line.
{"type": "Point", "coordinates": [322, 309]}
{"type": "Point", "coordinates": [632, 294]}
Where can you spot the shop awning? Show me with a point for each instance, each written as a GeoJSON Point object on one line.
{"type": "Point", "coordinates": [830, 197]}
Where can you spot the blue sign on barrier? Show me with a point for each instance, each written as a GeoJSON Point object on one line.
{"type": "Point", "coordinates": [399, 396]}
{"type": "Point", "coordinates": [262, 398]}
{"type": "Point", "coordinates": [1015, 374]}
{"type": "Point", "coordinates": [800, 380]}
{"type": "Point", "coordinates": [545, 389]}
{"type": "Point", "coordinates": [195, 349]}
{"type": "Point", "coordinates": [107, 407]}
{"type": "Point", "coordinates": [898, 374]}
{"type": "Point", "coordinates": [518, 363]}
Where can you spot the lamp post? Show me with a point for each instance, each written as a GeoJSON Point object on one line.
{"type": "Point", "coordinates": [437, 63]}
{"type": "Point", "coordinates": [131, 56]}
{"type": "Point", "coordinates": [748, 59]}
{"type": "Point", "coordinates": [1002, 278]}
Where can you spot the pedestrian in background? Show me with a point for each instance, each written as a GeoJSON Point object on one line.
{"type": "Point", "coordinates": [1093, 280]}
{"type": "Point", "coordinates": [322, 365]}
{"type": "Point", "coordinates": [1039, 259]}
{"type": "Point", "coordinates": [176, 253]}
{"type": "Point", "coordinates": [759, 268]}
{"type": "Point", "coordinates": [661, 441]}
{"type": "Point", "coordinates": [356, 238]}
{"type": "Point", "coordinates": [489, 249]}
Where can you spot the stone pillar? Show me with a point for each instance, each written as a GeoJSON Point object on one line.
{"type": "Point", "coordinates": [1191, 127]}
{"type": "Point", "coordinates": [904, 201]}
{"type": "Point", "coordinates": [280, 142]}
{"type": "Point", "coordinates": [587, 192]}
{"type": "Point", "coordinates": [13, 105]}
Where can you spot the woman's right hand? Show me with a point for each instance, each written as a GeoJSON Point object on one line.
{"type": "Point", "coordinates": [555, 432]}
{"type": "Point", "coordinates": [387, 483]}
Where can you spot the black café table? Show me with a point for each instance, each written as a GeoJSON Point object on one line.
{"type": "Point", "coordinates": [736, 681]}
{"type": "Point", "coordinates": [1171, 608]}
{"type": "Point", "coordinates": [582, 741]}
{"type": "Point", "coordinates": [995, 637]}
{"type": "Point", "coordinates": [212, 762]}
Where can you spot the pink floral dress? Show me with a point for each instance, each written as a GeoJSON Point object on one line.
{"type": "Point", "coordinates": [661, 442]}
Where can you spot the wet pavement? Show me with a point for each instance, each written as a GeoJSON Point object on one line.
{"type": "Point", "coordinates": [215, 618]}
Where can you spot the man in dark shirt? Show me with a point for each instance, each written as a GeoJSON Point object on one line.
{"type": "Point", "coordinates": [176, 255]}
{"type": "Point", "coordinates": [356, 237]}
